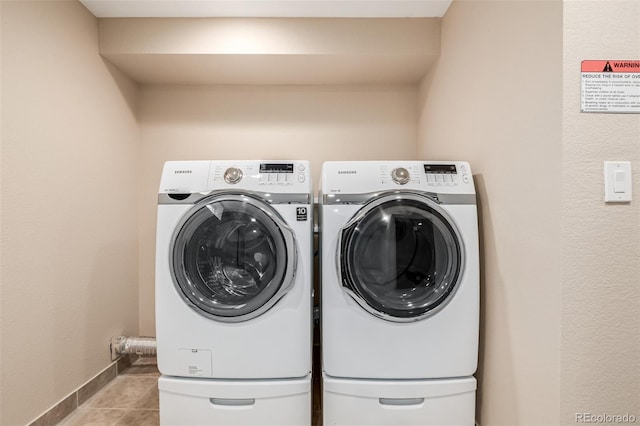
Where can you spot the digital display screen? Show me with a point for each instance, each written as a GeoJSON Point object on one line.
{"type": "Point", "coordinates": [276, 168]}
{"type": "Point", "coordinates": [440, 168]}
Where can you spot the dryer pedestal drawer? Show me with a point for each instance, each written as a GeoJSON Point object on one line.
{"type": "Point", "coordinates": [191, 402]}
{"type": "Point", "coordinates": [438, 402]}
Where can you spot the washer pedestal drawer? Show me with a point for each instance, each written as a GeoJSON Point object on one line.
{"type": "Point", "coordinates": [277, 402]}
{"type": "Point", "coordinates": [437, 402]}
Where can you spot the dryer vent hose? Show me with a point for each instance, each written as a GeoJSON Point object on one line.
{"type": "Point", "coordinates": [123, 345]}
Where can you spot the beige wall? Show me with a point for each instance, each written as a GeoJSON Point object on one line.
{"type": "Point", "coordinates": [79, 175]}
{"type": "Point", "coordinates": [561, 318]}
{"type": "Point", "coordinates": [317, 123]}
{"type": "Point", "coordinates": [600, 242]}
{"type": "Point", "coordinates": [494, 98]}
{"type": "Point", "coordinates": [69, 212]}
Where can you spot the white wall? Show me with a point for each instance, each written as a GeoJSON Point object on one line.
{"type": "Point", "coordinates": [69, 209]}
{"type": "Point", "coordinates": [494, 99]}
{"type": "Point", "coordinates": [317, 123]}
{"type": "Point", "coordinates": [600, 242]}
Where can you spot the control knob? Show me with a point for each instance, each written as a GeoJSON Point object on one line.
{"type": "Point", "coordinates": [400, 175]}
{"type": "Point", "coordinates": [232, 175]}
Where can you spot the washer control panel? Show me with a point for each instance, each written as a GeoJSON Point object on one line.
{"type": "Point", "coordinates": [446, 174]}
{"type": "Point", "coordinates": [264, 176]}
{"type": "Point", "coordinates": [280, 174]}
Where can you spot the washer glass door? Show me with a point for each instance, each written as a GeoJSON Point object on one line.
{"type": "Point", "coordinates": [233, 257]}
{"type": "Point", "coordinates": [401, 257]}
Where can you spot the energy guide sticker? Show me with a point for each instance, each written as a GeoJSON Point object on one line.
{"type": "Point", "coordinates": [611, 86]}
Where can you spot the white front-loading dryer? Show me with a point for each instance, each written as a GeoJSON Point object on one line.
{"type": "Point", "coordinates": [400, 270]}
{"type": "Point", "coordinates": [233, 270]}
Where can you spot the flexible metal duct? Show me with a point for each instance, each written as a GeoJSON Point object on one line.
{"type": "Point", "coordinates": [123, 345]}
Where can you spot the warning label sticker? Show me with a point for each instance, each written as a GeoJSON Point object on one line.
{"type": "Point", "coordinates": [610, 86]}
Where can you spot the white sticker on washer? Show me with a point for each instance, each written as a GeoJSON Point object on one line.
{"type": "Point", "coordinates": [197, 362]}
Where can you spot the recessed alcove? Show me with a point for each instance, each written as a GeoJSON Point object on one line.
{"type": "Point", "coordinates": [271, 51]}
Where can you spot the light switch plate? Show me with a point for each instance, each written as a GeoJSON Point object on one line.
{"type": "Point", "coordinates": [617, 181]}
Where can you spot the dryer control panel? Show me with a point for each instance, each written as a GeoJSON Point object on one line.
{"type": "Point", "coordinates": [353, 177]}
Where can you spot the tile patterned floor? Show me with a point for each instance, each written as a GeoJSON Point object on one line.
{"type": "Point", "coordinates": [131, 399]}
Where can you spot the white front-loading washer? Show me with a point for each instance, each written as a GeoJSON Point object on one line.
{"type": "Point", "coordinates": [234, 259]}
{"type": "Point", "coordinates": [400, 270]}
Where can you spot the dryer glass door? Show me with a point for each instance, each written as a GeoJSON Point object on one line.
{"type": "Point", "coordinates": [401, 257]}
{"type": "Point", "coordinates": [233, 257]}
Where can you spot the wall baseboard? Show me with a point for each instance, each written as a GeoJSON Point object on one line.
{"type": "Point", "coordinates": [71, 402]}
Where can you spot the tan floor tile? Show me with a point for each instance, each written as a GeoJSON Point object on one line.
{"type": "Point", "coordinates": [123, 392]}
{"type": "Point", "coordinates": [143, 366]}
{"type": "Point", "coordinates": [150, 370]}
{"type": "Point", "coordinates": [94, 417]}
{"type": "Point", "coordinates": [148, 401]}
{"type": "Point", "coordinates": [140, 418]}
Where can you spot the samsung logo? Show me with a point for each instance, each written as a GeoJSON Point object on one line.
{"type": "Point", "coordinates": [179, 172]}
{"type": "Point", "coordinates": [347, 172]}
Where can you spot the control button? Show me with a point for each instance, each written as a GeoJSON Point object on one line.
{"type": "Point", "coordinates": [400, 175]}
{"type": "Point", "coordinates": [465, 178]}
{"type": "Point", "coordinates": [446, 178]}
{"type": "Point", "coordinates": [301, 167]}
{"type": "Point", "coordinates": [431, 178]}
{"type": "Point", "coordinates": [463, 168]}
{"type": "Point", "coordinates": [301, 178]}
{"type": "Point", "coordinates": [439, 178]}
{"type": "Point", "coordinates": [233, 175]}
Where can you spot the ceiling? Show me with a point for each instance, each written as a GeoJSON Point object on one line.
{"type": "Point", "coordinates": [267, 8]}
